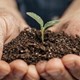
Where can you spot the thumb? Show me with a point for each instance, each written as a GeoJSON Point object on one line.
{"type": "Point", "coordinates": [23, 25]}
{"type": "Point", "coordinates": [2, 35]}
{"type": "Point", "coordinates": [61, 26]}
{"type": "Point", "coordinates": [57, 27]}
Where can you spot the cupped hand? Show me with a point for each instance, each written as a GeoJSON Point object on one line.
{"type": "Point", "coordinates": [67, 68]}
{"type": "Point", "coordinates": [53, 70]}
{"type": "Point", "coordinates": [69, 24]}
{"type": "Point", "coordinates": [10, 27]}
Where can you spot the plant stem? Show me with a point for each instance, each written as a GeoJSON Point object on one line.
{"type": "Point", "coordinates": [42, 34]}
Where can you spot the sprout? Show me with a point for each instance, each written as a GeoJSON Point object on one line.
{"type": "Point", "coordinates": [43, 26]}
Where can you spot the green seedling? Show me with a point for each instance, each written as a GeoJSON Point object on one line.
{"type": "Point", "coordinates": [43, 26]}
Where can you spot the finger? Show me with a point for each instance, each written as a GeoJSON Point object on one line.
{"type": "Point", "coordinates": [4, 69]}
{"type": "Point", "coordinates": [18, 69]}
{"type": "Point", "coordinates": [32, 73]}
{"type": "Point", "coordinates": [72, 63]}
{"type": "Point", "coordinates": [23, 26]}
{"type": "Point", "coordinates": [40, 66]}
{"type": "Point", "coordinates": [2, 35]}
{"type": "Point", "coordinates": [56, 70]}
{"type": "Point", "coordinates": [73, 28]}
{"type": "Point", "coordinates": [61, 26]}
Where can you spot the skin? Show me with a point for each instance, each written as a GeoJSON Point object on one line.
{"type": "Point", "coordinates": [11, 23]}
{"type": "Point", "coordinates": [69, 65]}
{"type": "Point", "coordinates": [16, 70]}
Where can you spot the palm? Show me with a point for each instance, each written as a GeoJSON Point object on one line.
{"type": "Point", "coordinates": [10, 27]}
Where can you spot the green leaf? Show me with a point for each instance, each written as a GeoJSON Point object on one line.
{"type": "Point", "coordinates": [36, 18]}
{"type": "Point", "coordinates": [50, 23]}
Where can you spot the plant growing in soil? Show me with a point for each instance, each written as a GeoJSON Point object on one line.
{"type": "Point", "coordinates": [43, 26]}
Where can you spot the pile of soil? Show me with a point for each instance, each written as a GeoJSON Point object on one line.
{"type": "Point", "coordinates": [29, 47]}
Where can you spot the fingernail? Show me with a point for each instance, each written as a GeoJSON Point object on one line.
{"type": "Point", "coordinates": [18, 75]}
{"type": "Point", "coordinates": [46, 76]}
{"type": "Point", "coordinates": [54, 73]}
{"type": "Point", "coordinates": [71, 65]}
{"type": "Point", "coordinates": [29, 77]}
{"type": "Point", "coordinates": [1, 76]}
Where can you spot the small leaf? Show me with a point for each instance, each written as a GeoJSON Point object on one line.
{"type": "Point", "coordinates": [50, 23]}
{"type": "Point", "coordinates": [36, 18]}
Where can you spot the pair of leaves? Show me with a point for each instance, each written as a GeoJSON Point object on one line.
{"type": "Point", "coordinates": [40, 21]}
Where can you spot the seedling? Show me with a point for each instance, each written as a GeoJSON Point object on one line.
{"type": "Point", "coordinates": [43, 26]}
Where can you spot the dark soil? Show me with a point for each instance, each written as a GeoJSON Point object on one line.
{"type": "Point", "coordinates": [29, 47]}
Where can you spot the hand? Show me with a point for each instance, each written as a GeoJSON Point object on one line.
{"type": "Point", "coordinates": [69, 65]}
{"type": "Point", "coordinates": [69, 24]}
{"type": "Point", "coordinates": [53, 70]}
{"type": "Point", "coordinates": [67, 68]}
{"type": "Point", "coordinates": [10, 27]}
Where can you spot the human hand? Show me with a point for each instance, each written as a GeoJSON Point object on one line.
{"type": "Point", "coordinates": [53, 69]}
{"type": "Point", "coordinates": [69, 24]}
{"type": "Point", "coordinates": [10, 27]}
{"type": "Point", "coordinates": [67, 68]}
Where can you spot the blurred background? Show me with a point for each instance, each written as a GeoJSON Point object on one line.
{"type": "Point", "coordinates": [47, 9]}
